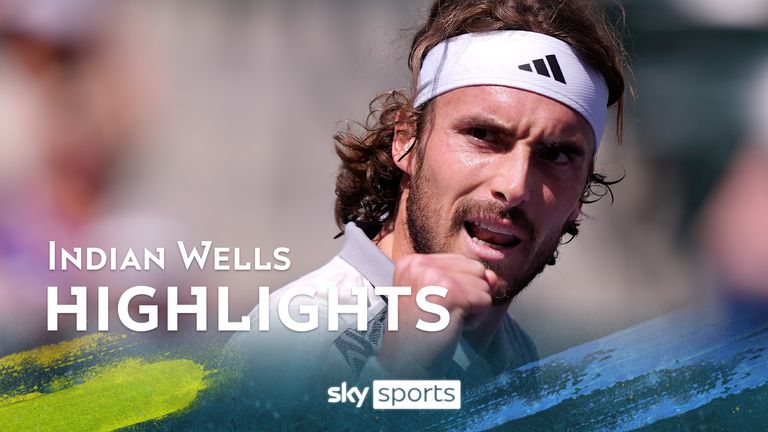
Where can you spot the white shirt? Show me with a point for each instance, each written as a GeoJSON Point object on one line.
{"type": "Point", "coordinates": [350, 354]}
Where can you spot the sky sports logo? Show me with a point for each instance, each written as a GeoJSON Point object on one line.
{"type": "Point", "coordinates": [401, 394]}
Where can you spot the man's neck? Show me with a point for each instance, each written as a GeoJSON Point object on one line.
{"type": "Point", "coordinates": [393, 239]}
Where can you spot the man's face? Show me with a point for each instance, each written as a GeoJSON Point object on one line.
{"type": "Point", "coordinates": [502, 173]}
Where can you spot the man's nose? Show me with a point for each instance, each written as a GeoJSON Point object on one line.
{"type": "Point", "coordinates": [512, 177]}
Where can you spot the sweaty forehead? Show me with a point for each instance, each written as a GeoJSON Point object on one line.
{"type": "Point", "coordinates": [519, 112]}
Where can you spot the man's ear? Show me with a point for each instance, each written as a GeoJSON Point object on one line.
{"type": "Point", "coordinates": [402, 143]}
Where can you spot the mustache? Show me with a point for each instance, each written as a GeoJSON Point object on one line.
{"type": "Point", "coordinates": [467, 208]}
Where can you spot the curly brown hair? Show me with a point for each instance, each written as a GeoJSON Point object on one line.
{"type": "Point", "coordinates": [368, 184]}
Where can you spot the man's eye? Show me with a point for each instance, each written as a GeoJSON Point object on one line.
{"type": "Point", "coordinates": [554, 154]}
{"type": "Point", "coordinates": [482, 134]}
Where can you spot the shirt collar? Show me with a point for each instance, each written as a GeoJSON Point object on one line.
{"type": "Point", "coordinates": [362, 254]}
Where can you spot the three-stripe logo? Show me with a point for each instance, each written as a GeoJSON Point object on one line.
{"type": "Point", "coordinates": [541, 68]}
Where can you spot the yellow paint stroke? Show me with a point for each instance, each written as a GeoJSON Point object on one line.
{"type": "Point", "coordinates": [7, 400]}
{"type": "Point", "coordinates": [60, 353]}
{"type": "Point", "coordinates": [110, 398]}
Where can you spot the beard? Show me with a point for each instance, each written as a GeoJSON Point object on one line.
{"type": "Point", "coordinates": [425, 237]}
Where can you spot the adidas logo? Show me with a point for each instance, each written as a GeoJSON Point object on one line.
{"type": "Point", "coordinates": [541, 68]}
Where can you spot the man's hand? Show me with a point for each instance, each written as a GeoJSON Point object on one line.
{"type": "Point", "coordinates": [413, 353]}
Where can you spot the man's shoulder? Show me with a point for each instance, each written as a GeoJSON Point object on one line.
{"type": "Point", "coordinates": [513, 344]}
{"type": "Point", "coordinates": [335, 272]}
{"type": "Point", "coordinates": [306, 355]}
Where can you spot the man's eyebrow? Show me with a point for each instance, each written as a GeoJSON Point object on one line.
{"type": "Point", "coordinates": [567, 146]}
{"type": "Point", "coordinates": [485, 122]}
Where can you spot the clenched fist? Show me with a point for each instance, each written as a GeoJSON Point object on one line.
{"type": "Point", "coordinates": [413, 353]}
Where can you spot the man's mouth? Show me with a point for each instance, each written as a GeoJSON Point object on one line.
{"type": "Point", "coordinates": [493, 235]}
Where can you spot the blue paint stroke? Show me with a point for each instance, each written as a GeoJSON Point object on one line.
{"type": "Point", "coordinates": [633, 378]}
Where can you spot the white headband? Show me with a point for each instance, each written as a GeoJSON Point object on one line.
{"type": "Point", "coordinates": [520, 59]}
